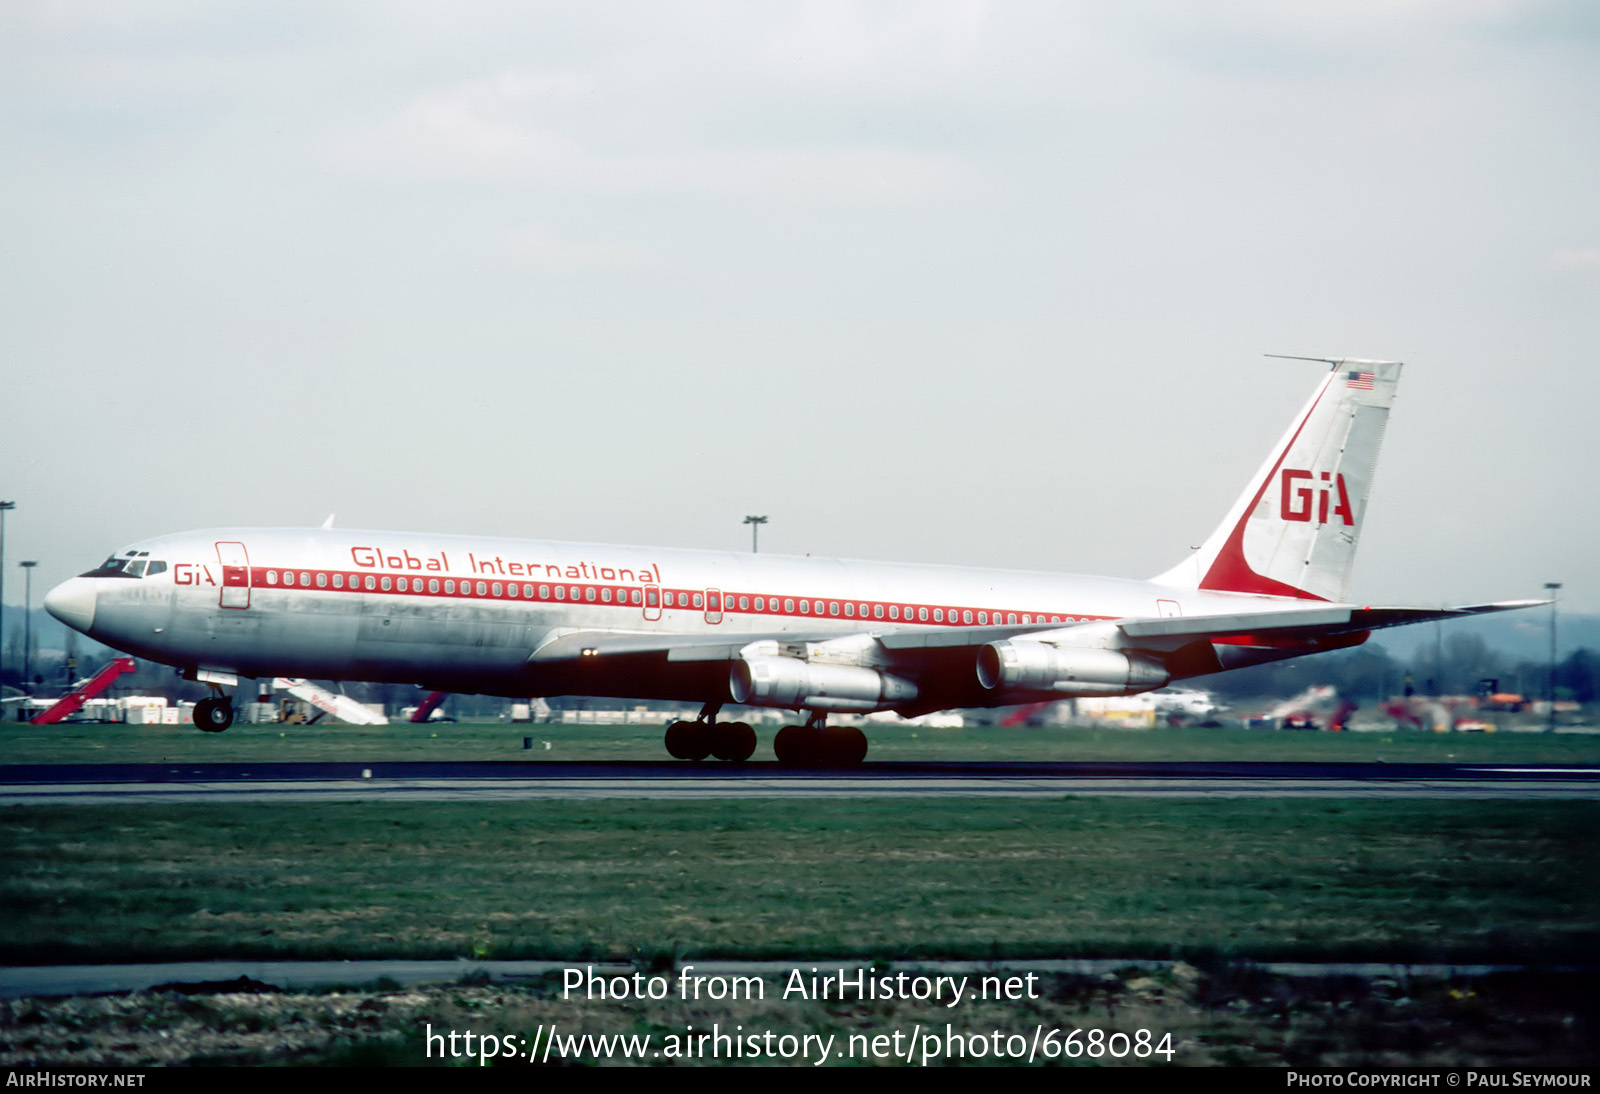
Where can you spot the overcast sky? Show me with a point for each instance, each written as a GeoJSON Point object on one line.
{"type": "Point", "coordinates": [950, 282]}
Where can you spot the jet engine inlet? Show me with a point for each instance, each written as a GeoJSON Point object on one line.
{"type": "Point", "coordinates": [794, 684]}
{"type": "Point", "coordinates": [1038, 666]}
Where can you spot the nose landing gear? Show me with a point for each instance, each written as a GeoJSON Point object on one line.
{"type": "Point", "coordinates": [213, 715]}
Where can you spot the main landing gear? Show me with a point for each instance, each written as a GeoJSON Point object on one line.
{"type": "Point", "coordinates": [817, 744]}
{"type": "Point", "coordinates": [734, 741]}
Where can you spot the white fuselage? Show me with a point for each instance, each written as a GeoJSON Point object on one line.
{"type": "Point", "coordinates": [462, 613]}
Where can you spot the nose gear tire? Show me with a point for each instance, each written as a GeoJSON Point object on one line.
{"type": "Point", "coordinates": [213, 715]}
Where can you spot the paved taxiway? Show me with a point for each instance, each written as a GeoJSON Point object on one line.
{"type": "Point", "coordinates": [500, 781]}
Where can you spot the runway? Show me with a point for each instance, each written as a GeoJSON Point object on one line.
{"type": "Point", "coordinates": [54, 784]}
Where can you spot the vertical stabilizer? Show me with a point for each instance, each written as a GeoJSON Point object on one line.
{"type": "Point", "coordinates": [1293, 531]}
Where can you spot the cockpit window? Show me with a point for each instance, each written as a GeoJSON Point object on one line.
{"type": "Point", "coordinates": [131, 564]}
{"type": "Point", "coordinates": [111, 567]}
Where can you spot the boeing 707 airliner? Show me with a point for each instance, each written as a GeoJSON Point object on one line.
{"type": "Point", "coordinates": [816, 636]}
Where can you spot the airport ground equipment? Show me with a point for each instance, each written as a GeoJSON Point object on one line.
{"type": "Point", "coordinates": [426, 708]}
{"type": "Point", "coordinates": [1023, 714]}
{"type": "Point", "coordinates": [341, 707]}
{"type": "Point", "coordinates": [70, 704]}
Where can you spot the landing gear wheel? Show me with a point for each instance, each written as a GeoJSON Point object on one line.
{"type": "Point", "coordinates": [790, 746]}
{"type": "Point", "coordinates": [688, 740]}
{"type": "Point", "coordinates": [213, 715]}
{"type": "Point", "coordinates": [844, 746]}
{"type": "Point", "coordinates": [820, 746]}
{"type": "Point", "coordinates": [733, 741]}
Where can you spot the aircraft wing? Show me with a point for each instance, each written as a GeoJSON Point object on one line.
{"type": "Point", "coordinates": [1309, 623]}
{"type": "Point", "coordinates": [571, 645]}
{"type": "Point", "coordinates": [900, 645]}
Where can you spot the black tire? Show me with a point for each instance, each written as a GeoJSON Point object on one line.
{"type": "Point", "coordinates": [846, 746]}
{"type": "Point", "coordinates": [734, 741]}
{"type": "Point", "coordinates": [213, 715]}
{"type": "Point", "coordinates": [792, 746]}
{"type": "Point", "coordinates": [688, 740]}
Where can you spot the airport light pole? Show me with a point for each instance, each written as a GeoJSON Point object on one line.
{"type": "Point", "coordinates": [755, 524]}
{"type": "Point", "coordinates": [5, 507]}
{"type": "Point", "coordinates": [1554, 589]}
{"type": "Point", "coordinates": [27, 625]}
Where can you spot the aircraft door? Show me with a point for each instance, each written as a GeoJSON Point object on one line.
{"type": "Point", "coordinates": [713, 605]}
{"type": "Point", "coordinates": [652, 602]}
{"type": "Point", "coordinates": [1168, 609]}
{"type": "Point", "coordinates": [235, 563]}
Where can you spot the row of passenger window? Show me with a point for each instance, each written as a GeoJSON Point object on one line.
{"type": "Point", "coordinates": [909, 613]}
{"type": "Point", "coordinates": [450, 587]}
{"type": "Point", "coordinates": [607, 595]}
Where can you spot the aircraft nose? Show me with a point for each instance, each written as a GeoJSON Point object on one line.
{"type": "Point", "coordinates": [72, 602]}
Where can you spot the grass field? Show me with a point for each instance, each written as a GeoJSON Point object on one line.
{"type": "Point", "coordinates": [658, 882]}
{"type": "Point", "coordinates": [1413, 880]}
{"type": "Point", "coordinates": [466, 741]}
{"type": "Point", "coordinates": [1221, 1016]}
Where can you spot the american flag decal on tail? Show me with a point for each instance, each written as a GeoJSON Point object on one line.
{"type": "Point", "coordinates": [1361, 381]}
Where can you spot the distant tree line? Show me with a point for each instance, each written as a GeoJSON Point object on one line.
{"type": "Point", "coordinates": [1454, 667]}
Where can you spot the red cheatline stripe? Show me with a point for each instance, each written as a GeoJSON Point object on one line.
{"type": "Point", "coordinates": [622, 596]}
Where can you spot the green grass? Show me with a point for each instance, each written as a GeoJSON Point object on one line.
{"type": "Point", "coordinates": [1229, 1016]}
{"type": "Point", "coordinates": [1414, 880]}
{"type": "Point", "coordinates": [493, 741]}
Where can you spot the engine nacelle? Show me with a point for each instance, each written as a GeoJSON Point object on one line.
{"type": "Point", "coordinates": [795, 684]}
{"type": "Point", "coordinates": [1070, 671]}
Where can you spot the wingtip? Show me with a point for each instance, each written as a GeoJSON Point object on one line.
{"type": "Point", "coordinates": [1502, 606]}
